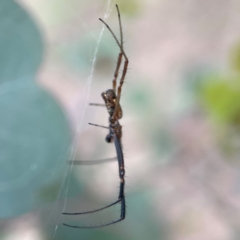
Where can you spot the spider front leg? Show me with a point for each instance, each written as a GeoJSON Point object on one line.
{"type": "Point", "coordinates": [117, 102]}
{"type": "Point", "coordinates": [117, 71]}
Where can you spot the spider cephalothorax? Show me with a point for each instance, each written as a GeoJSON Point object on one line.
{"type": "Point", "coordinates": [110, 98]}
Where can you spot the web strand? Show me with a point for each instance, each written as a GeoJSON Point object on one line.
{"type": "Point", "coordinates": [82, 103]}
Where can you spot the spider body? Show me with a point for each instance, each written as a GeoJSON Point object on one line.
{"type": "Point", "coordinates": [111, 99]}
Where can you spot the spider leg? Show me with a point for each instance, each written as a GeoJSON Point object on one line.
{"type": "Point", "coordinates": [121, 197]}
{"type": "Point", "coordinates": [97, 104]}
{"type": "Point", "coordinates": [125, 63]}
{"type": "Point", "coordinates": [119, 56]}
{"type": "Point", "coordinates": [92, 162]}
{"type": "Point", "coordinates": [117, 71]}
{"type": "Point", "coordinates": [121, 49]}
{"type": "Point", "coordinates": [121, 218]}
{"type": "Point", "coordinates": [114, 36]}
{"type": "Point", "coordinates": [93, 211]}
{"type": "Point", "coordinates": [124, 69]}
{"type": "Point", "coordinates": [96, 125]}
{"type": "Point", "coordinates": [120, 89]}
{"type": "Point", "coordinates": [120, 25]}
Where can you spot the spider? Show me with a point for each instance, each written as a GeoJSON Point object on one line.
{"type": "Point", "coordinates": [111, 99]}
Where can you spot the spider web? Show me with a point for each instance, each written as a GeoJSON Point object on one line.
{"type": "Point", "coordinates": [82, 103]}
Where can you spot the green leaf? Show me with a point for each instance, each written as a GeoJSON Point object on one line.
{"type": "Point", "coordinates": [34, 145]}
{"type": "Point", "coordinates": [235, 57]}
{"type": "Point", "coordinates": [222, 99]}
{"type": "Point", "coordinates": [20, 43]}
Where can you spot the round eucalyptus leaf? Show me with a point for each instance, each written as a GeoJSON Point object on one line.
{"type": "Point", "coordinates": [20, 43]}
{"type": "Point", "coordinates": [34, 146]}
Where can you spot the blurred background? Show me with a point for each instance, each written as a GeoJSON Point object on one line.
{"type": "Point", "coordinates": [181, 116]}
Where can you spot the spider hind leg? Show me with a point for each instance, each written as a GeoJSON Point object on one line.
{"type": "Point", "coordinates": [121, 218]}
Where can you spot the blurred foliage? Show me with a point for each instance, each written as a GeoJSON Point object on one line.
{"type": "Point", "coordinates": [220, 94]}
{"type": "Point", "coordinates": [34, 137]}
{"type": "Point", "coordinates": [144, 221]}
{"type": "Point", "coordinates": [20, 43]}
{"type": "Point", "coordinates": [129, 7]}
{"type": "Point", "coordinates": [140, 96]}
{"type": "Point", "coordinates": [162, 142]}
{"type": "Point", "coordinates": [50, 192]}
{"type": "Point", "coordinates": [141, 99]}
{"type": "Point", "coordinates": [34, 132]}
{"type": "Point", "coordinates": [221, 97]}
{"type": "Point", "coordinates": [235, 57]}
